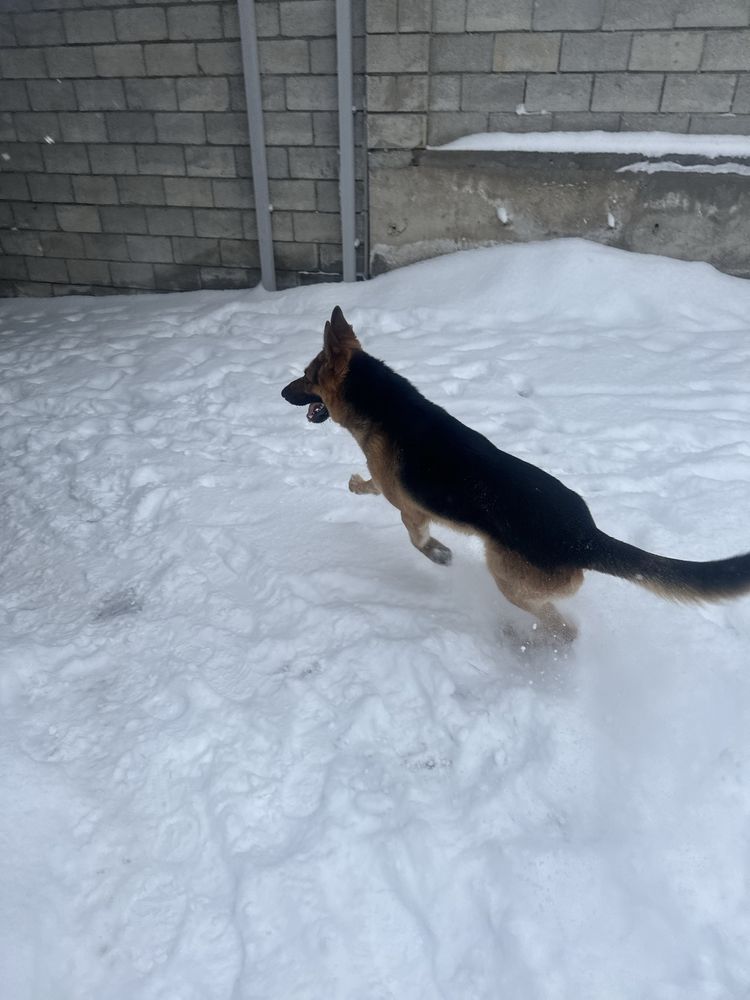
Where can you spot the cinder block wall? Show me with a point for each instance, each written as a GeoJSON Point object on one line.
{"type": "Point", "coordinates": [124, 143]}
{"type": "Point", "coordinates": [440, 69]}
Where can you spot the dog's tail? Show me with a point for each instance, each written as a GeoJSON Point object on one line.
{"type": "Point", "coordinates": [675, 579]}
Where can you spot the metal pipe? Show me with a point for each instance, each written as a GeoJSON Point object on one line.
{"type": "Point", "coordinates": [263, 209]}
{"type": "Point", "coordinates": [346, 138]}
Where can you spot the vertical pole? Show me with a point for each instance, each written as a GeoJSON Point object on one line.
{"type": "Point", "coordinates": [251, 68]}
{"type": "Point", "coordinates": [346, 137]}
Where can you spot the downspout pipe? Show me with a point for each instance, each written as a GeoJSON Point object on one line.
{"type": "Point", "coordinates": [263, 208]}
{"type": "Point", "coordinates": [346, 138]}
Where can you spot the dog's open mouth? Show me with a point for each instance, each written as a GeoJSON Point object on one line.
{"type": "Point", "coordinates": [317, 413]}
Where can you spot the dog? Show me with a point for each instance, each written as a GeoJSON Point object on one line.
{"type": "Point", "coordinates": [539, 536]}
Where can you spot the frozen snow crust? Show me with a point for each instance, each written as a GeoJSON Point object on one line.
{"type": "Point", "coordinates": [255, 747]}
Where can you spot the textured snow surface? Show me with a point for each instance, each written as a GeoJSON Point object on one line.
{"type": "Point", "coordinates": [254, 746]}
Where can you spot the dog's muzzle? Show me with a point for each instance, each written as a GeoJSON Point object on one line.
{"type": "Point", "coordinates": [295, 393]}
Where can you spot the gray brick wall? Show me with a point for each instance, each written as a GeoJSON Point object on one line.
{"type": "Point", "coordinates": [439, 69]}
{"type": "Point", "coordinates": [124, 142]}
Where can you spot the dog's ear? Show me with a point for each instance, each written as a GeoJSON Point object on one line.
{"type": "Point", "coordinates": [339, 341]}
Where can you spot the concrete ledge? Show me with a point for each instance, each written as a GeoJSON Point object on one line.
{"type": "Point", "coordinates": [690, 207]}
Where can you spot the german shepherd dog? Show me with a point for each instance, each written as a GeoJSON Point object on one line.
{"type": "Point", "coordinates": [539, 535]}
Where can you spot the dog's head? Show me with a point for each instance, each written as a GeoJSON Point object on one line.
{"type": "Point", "coordinates": [318, 388]}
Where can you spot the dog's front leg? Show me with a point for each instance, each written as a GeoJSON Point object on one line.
{"type": "Point", "coordinates": [418, 527]}
{"type": "Point", "coordinates": [359, 485]}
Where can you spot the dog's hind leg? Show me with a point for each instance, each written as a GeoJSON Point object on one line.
{"type": "Point", "coordinates": [418, 527]}
{"type": "Point", "coordinates": [531, 589]}
{"type": "Point", "coordinates": [359, 485]}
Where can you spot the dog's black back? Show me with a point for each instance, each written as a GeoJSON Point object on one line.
{"type": "Point", "coordinates": [459, 475]}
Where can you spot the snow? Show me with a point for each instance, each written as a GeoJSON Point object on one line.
{"type": "Point", "coordinates": [254, 746]}
{"type": "Point", "coordinates": [671, 167]}
{"type": "Point", "coordinates": [647, 143]}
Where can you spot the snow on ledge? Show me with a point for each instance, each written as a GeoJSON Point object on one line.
{"type": "Point", "coordinates": [643, 143]}
{"type": "Point", "coordinates": [671, 167]}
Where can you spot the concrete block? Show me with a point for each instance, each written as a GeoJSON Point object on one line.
{"type": "Point", "coordinates": [193, 21]}
{"type": "Point", "coordinates": [219, 58]}
{"type": "Point", "coordinates": [180, 127]}
{"type": "Point", "coordinates": [325, 128]}
{"type": "Point", "coordinates": [397, 93]}
{"type": "Point", "coordinates": [170, 221]}
{"type": "Point", "coordinates": [119, 60]}
{"type": "Point", "coordinates": [161, 159]}
{"type": "Point", "coordinates": [237, 100]}
{"type": "Point", "coordinates": [171, 59]}
{"type": "Point", "coordinates": [79, 218]}
{"type": "Point", "coordinates": [22, 157]}
{"type": "Point", "coordinates": [62, 244]}
{"type": "Point", "coordinates": [572, 15]}
{"type": "Point", "coordinates": [112, 158]}
{"type": "Point", "coordinates": [51, 95]}
{"type": "Point", "coordinates": [141, 190]}
{"type": "Point", "coordinates": [558, 92]}
{"type": "Point", "coordinates": [509, 121]}
{"type": "Point", "coordinates": [720, 124]}
{"type": "Point", "coordinates": [397, 131]}
{"type": "Point", "coordinates": [499, 15]}
{"type": "Point", "coordinates": [34, 126]}
{"type": "Point", "coordinates": [285, 56]}
{"type": "Point", "coordinates": [414, 15]}
{"type": "Point", "coordinates": [267, 21]}
{"type": "Point", "coordinates": [239, 253]}
{"type": "Point", "coordinates": [624, 14]}
{"type": "Point", "coordinates": [13, 96]}
{"type": "Point", "coordinates": [316, 164]}
{"type": "Point", "coordinates": [89, 272]}
{"type": "Point", "coordinates": [449, 16]}
{"type": "Point", "coordinates": [41, 187]}
{"type": "Point", "coordinates": [398, 53]}
{"type": "Point", "coordinates": [445, 126]}
{"type": "Point", "coordinates": [250, 225]}
{"type": "Point", "coordinates": [698, 92]}
{"type": "Point", "coordinates": [635, 122]}
{"type": "Point", "coordinates": [119, 219]}
{"type": "Point", "coordinates": [627, 91]}
{"type": "Point", "coordinates": [7, 128]}
{"type": "Point", "coordinates": [151, 95]}
{"type": "Point", "coordinates": [102, 247]}
{"type": "Point", "coordinates": [95, 190]}
{"type": "Point", "coordinates": [43, 269]}
{"type": "Point", "coordinates": [228, 128]}
{"type": "Point", "coordinates": [323, 55]}
{"type": "Point", "coordinates": [210, 161]}
{"type": "Point", "coordinates": [297, 257]}
{"type": "Point", "coordinates": [130, 275]}
{"type": "Point", "coordinates": [444, 92]}
{"type": "Point", "coordinates": [193, 192]}
{"type": "Point", "coordinates": [457, 53]}
{"type": "Point", "coordinates": [203, 94]}
{"type": "Point", "coordinates": [713, 14]}
{"type": "Point", "coordinates": [27, 215]}
{"type": "Point", "coordinates": [22, 64]}
{"type": "Point", "coordinates": [7, 32]}
{"type": "Point", "coordinates": [130, 126]}
{"type": "Point", "coordinates": [177, 278]}
{"type": "Point", "coordinates": [229, 277]}
{"type": "Point", "coordinates": [21, 243]}
{"type": "Point", "coordinates": [65, 158]}
{"type": "Point", "coordinates": [273, 93]}
{"type": "Point", "coordinates": [312, 93]}
{"type": "Point", "coordinates": [144, 24]}
{"type": "Point", "coordinates": [316, 227]}
{"type": "Point", "coordinates": [192, 250]}
{"type": "Point", "coordinates": [153, 249]}
{"type": "Point", "coordinates": [727, 50]}
{"type": "Point", "coordinates": [585, 121]}
{"type": "Point", "coordinates": [517, 52]}
{"type": "Point", "coordinates": [382, 17]}
{"type": "Point", "coordinates": [89, 27]}
{"type": "Point", "coordinates": [43, 28]}
{"type": "Point", "coordinates": [236, 193]}
{"type": "Point", "coordinates": [99, 95]}
{"type": "Point", "coordinates": [326, 196]}
{"type": "Point", "coordinates": [742, 95]}
{"type": "Point", "coordinates": [288, 128]}
{"type": "Point", "coordinates": [276, 156]}
{"type": "Point", "coordinates": [70, 61]}
{"type": "Point", "coordinates": [491, 92]}
{"type": "Point", "coordinates": [308, 17]}
{"type": "Point", "coordinates": [216, 222]}
{"type": "Point", "coordinates": [666, 50]}
{"type": "Point", "coordinates": [595, 50]}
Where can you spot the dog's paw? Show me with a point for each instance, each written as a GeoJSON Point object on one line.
{"type": "Point", "coordinates": [438, 552]}
{"type": "Point", "coordinates": [359, 485]}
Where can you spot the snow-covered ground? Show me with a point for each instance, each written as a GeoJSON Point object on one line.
{"type": "Point", "coordinates": [255, 747]}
